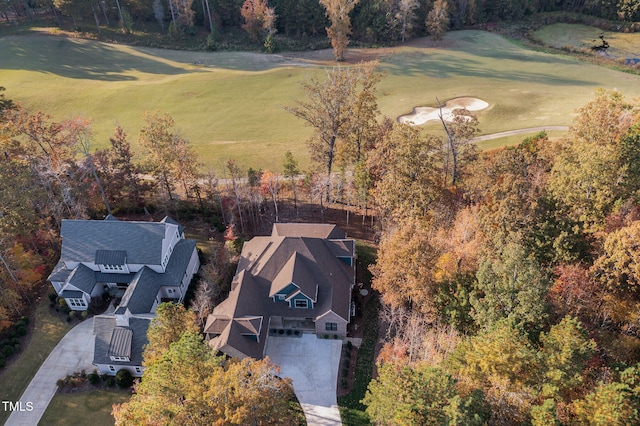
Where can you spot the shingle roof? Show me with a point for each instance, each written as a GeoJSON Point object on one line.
{"type": "Point", "coordinates": [142, 241]}
{"type": "Point", "coordinates": [267, 264]}
{"type": "Point", "coordinates": [111, 257]}
{"type": "Point", "coordinates": [311, 230]}
{"type": "Point", "coordinates": [103, 328]}
{"type": "Point", "coordinates": [141, 293]}
{"type": "Point", "coordinates": [82, 278]}
{"type": "Point", "coordinates": [60, 273]}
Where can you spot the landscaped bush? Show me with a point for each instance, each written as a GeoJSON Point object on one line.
{"type": "Point", "coordinates": [110, 381]}
{"type": "Point", "coordinates": [21, 330]}
{"type": "Point", "coordinates": [124, 379]}
{"type": "Point", "coordinates": [7, 351]}
{"type": "Point", "coordinates": [14, 341]}
{"type": "Point", "coordinates": [93, 378]}
{"type": "Point", "coordinates": [53, 297]}
{"type": "Point", "coordinates": [3, 363]}
{"type": "Point", "coordinates": [17, 348]}
{"type": "Point", "coordinates": [25, 321]}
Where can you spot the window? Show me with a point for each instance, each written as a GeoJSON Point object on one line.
{"type": "Point", "coordinates": [77, 303]}
{"type": "Point", "coordinates": [112, 368]}
{"type": "Point", "coordinates": [302, 303]}
{"type": "Point", "coordinates": [138, 370]}
{"type": "Point", "coordinates": [280, 297]}
{"type": "Point", "coordinates": [331, 326]}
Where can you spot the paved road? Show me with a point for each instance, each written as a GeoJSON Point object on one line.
{"type": "Point", "coordinates": [517, 132]}
{"type": "Point", "coordinates": [313, 364]}
{"type": "Point", "coordinates": [73, 353]}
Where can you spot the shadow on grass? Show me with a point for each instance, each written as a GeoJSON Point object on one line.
{"type": "Point", "coordinates": [80, 59]}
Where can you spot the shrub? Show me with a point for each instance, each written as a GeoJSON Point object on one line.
{"type": "Point", "coordinates": [65, 309]}
{"type": "Point", "coordinates": [21, 330]}
{"type": "Point", "coordinates": [7, 351]}
{"type": "Point", "coordinates": [25, 321]}
{"type": "Point", "coordinates": [280, 331]}
{"type": "Point", "coordinates": [124, 379]}
{"type": "Point", "coordinates": [93, 378]}
{"type": "Point", "coordinates": [343, 382]}
{"type": "Point", "coordinates": [3, 363]}
{"type": "Point", "coordinates": [289, 332]}
{"type": "Point", "coordinates": [335, 337]}
{"type": "Point", "coordinates": [84, 314]}
{"type": "Point", "coordinates": [62, 302]}
{"type": "Point", "coordinates": [14, 341]}
{"type": "Point", "coordinates": [53, 297]}
{"type": "Point", "coordinates": [69, 319]}
{"type": "Point", "coordinates": [17, 348]}
{"type": "Point", "coordinates": [110, 381]}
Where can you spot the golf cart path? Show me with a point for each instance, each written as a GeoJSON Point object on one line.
{"type": "Point", "coordinates": [517, 132]}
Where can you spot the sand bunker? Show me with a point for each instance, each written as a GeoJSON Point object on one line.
{"type": "Point", "coordinates": [421, 115]}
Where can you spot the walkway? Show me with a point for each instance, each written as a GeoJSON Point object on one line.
{"type": "Point", "coordinates": [73, 353]}
{"type": "Point", "coordinates": [313, 364]}
{"type": "Point", "coordinates": [518, 132]}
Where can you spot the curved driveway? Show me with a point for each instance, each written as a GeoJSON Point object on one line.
{"type": "Point", "coordinates": [313, 364]}
{"type": "Point", "coordinates": [74, 352]}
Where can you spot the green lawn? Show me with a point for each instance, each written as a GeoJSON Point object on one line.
{"type": "Point", "coordinates": [48, 330]}
{"type": "Point", "coordinates": [578, 36]}
{"type": "Point", "coordinates": [84, 407]}
{"type": "Point", "coordinates": [230, 104]}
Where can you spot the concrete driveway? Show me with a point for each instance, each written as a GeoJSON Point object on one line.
{"type": "Point", "coordinates": [313, 364]}
{"type": "Point", "coordinates": [73, 353]}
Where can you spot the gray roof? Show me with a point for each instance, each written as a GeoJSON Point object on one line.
{"type": "Point", "coordinates": [111, 257]}
{"type": "Point", "coordinates": [142, 241]}
{"type": "Point", "coordinates": [83, 278]}
{"type": "Point", "coordinates": [104, 327]}
{"type": "Point", "coordinates": [266, 264]}
{"type": "Point", "coordinates": [60, 273]}
{"type": "Point", "coordinates": [141, 293]}
{"type": "Point", "coordinates": [120, 344]}
{"type": "Point", "coordinates": [71, 294]}
{"type": "Point", "coordinates": [103, 277]}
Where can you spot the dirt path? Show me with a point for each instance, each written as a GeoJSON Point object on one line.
{"type": "Point", "coordinates": [517, 132]}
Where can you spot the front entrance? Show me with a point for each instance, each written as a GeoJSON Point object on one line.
{"type": "Point", "coordinates": [291, 326]}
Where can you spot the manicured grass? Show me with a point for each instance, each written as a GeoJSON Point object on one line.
{"type": "Point", "coordinates": [230, 104]}
{"type": "Point", "coordinates": [578, 36]}
{"type": "Point", "coordinates": [48, 330]}
{"type": "Point", "coordinates": [351, 410]}
{"type": "Point", "coordinates": [93, 406]}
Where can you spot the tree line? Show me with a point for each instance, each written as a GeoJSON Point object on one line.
{"type": "Point", "coordinates": [375, 21]}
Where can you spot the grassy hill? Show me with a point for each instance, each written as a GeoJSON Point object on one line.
{"type": "Point", "coordinates": [230, 104]}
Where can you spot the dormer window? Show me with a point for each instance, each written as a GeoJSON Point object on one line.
{"type": "Point", "coordinates": [301, 303]}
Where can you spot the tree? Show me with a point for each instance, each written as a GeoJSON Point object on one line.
{"type": "Point", "coordinates": [438, 20]}
{"type": "Point", "coordinates": [406, 14]}
{"type": "Point", "coordinates": [501, 363]}
{"type": "Point", "coordinates": [618, 269]}
{"type": "Point", "coordinates": [564, 353]}
{"type": "Point", "coordinates": [269, 186]}
{"type": "Point", "coordinates": [614, 403]}
{"type": "Point", "coordinates": [171, 321]}
{"type": "Point", "coordinates": [512, 285]}
{"type": "Point", "coordinates": [460, 132]}
{"type": "Point", "coordinates": [329, 108]}
{"type": "Point", "coordinates": [403, 272]}
{"type": "Point", "coordinates": [168, 154]}
{"type": "Point", "coordinates": [259, 19]}
{"type": "Point", "coordinates": [338, 13]}
{"type": "Point", "coordinates": [291, 171]}
{"type": "Point", "coordinates": [405, 173]}
{"type": "Point", "coordinates": [402, 395]}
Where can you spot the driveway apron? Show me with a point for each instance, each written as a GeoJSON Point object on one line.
{"type": "Point", "coordinates": [312, 364]}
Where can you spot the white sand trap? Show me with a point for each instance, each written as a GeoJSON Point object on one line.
{"type": "Point", "coordinates": [421, 115]}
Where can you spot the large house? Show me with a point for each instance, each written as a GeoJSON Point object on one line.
{"type": "Point", "coordinates": [297, 280]}
{"type": "Point", "coordinates": [144, 262]}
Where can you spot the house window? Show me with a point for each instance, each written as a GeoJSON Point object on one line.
{"type": "Point", "coordinates": [112, 368]}
{"type": "Point", "coordinates": [280, 297]}
{"type": "Point", "coordinates": [331, 326]}
{"type": "Point", "coordinates": [302, 303]}
{"type": "Point", "coordinates": [138, 370]}
{"type": "Point", "coordinates": [77, 303]}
